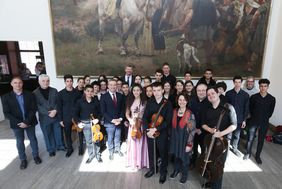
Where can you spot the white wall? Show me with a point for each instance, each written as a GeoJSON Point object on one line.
{"type": "Point", "coordinates": [31, 20]}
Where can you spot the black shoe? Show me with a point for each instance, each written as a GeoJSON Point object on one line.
{"type": "Point", "coordinates": [99, 159]}
{"type": "Point", "coordinates": [236, 152]}
{"type": "Point", "coordinates": [51, 154]}
{"type": "Point", "coordinates": [89, 160]}
{"type": "Point", "coordinates": [23, 164]}
{"type": "Point", "coordinates": [174, 174]}
{"type": "Point", "coordinates": [69, 152]}
{"type": "Point", "coordinates": [37, 160]}
{"type": "Point", "coordinates": [183, 179]}
{"type": "Point", "coordinates": [162, 179]}
{"type": "Point", "coordinates": [80, 152]}
{"type": "Point", "coordinates": [207, 185]}
{"type": "Point", "coordinates": [149, 174]}
{"type": "Point", "coordinates": [258, 160]}
{"type": "Point", "coordinates": [246, 156]}
{"type": "Point", "coordinates": [111, 157]}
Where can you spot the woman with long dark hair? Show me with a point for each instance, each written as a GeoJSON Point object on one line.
{"type": "Point", "coordinates": [137, 148]}
{"type": "Point", "coordinates": [182, 135]}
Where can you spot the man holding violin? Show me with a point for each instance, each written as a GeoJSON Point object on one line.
{"type": "Point", "coordinates": [226, 126]}
{"type": "Point", "coordinates": [156, 120]}
{"type": "Point", "coordinates": [87, 110]}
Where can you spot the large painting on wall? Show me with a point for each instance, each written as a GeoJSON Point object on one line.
{"type": "Point", "coordinates": [102, 36]}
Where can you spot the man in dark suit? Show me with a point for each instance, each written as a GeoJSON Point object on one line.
{"type": "Point", "coordinates": [112, 108]}
{"type": "Point", "coordinates": [128, 77]}
{"type": "Point", "coordinates": [47, 100]}
{"type": "Point", "coordinates": [154, 105]}
{"type": "Point", "coordinates": [19, 107]}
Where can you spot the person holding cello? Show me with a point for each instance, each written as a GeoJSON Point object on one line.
{"type": "Point", "coordinates": [182, 135]}
{"type": "Point", "coordinates": [156, 119]}
{"type": "Point", "coordinates": [219, 120]}
{"type": "Point", "coordinates": [137, 147]}
{"type": "Point", "coordinates": [87, 113]}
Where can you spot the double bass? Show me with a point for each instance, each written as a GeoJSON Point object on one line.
{"type": "Point", "coordinates": [211, 161]}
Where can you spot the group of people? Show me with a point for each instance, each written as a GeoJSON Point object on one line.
{"type": "Point", "coordinates": [156, 120]}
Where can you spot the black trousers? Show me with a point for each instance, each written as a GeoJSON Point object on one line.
{"type": "Point", "coordinates": [161, 149]}
{"type": "Point", "coordinates": [67, 132]}
{"type": "Point", "coordinates": [262, 131]}
{"type": "Point", "coordinates": [198, 140]}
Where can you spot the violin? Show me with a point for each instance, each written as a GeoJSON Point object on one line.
{"type": "Point", "coordinates": [136, 129]}
{"type": "Point", "coordinates": [75, 127]}
{"type": "Point", "coordinates": [97, 135]}
{"type": "Point", "coordinates": [155, 122]}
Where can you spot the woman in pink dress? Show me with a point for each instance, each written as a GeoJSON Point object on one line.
{"type": "Point", "coordinates": [137, 148]}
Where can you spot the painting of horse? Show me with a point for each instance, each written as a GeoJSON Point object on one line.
{"type": "Point", "coordinates": [97, 37]}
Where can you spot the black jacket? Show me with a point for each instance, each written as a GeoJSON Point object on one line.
{"type": "Point", "coordinates": [12, 110]}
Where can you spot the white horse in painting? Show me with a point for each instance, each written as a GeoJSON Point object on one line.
{"type": "Point", "coordinates": [128, 17]}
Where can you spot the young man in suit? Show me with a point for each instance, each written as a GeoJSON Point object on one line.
{"type": "Point", "coordinates": [19, 107]}
{"type": "Point", "coordinates": [153, 106]}
{"type": "Point", "coordinates": [112, 108]}
{"type": "Point", "coordinates": [47, 99]}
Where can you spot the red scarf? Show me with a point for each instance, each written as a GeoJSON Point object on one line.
{"type": "Point", "coordinates": [183, 121]}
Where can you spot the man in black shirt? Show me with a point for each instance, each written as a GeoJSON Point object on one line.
{"type": "Point", "coordinates": [261, 108]}
{"type": "Point", "coordinates": [207, 78]}
{"type": "Point", "coordinates": [86, 108]}
{"type": "Point", "coordinates": [66, 103]}
{"type": "Point", "coordinates": [240, 101]}
{"type": "Point", "coordinates": [153, 106]}
{"type": "Point", "coordinates": [198, 105]}
{"type": "Point", "coordinates": [227, 125]}
{"type": "Point", "coordinates": [167, 76]}
{"type": "Point", "coordinates": [80, 86]}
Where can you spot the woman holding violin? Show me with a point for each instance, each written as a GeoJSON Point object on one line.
{"type": "Point", "coordinates": [86, 114]}
{"type": "Point", "coordinates": [182, 135]}
{"type": "Point", "coordinates": [137, 148]}
{"type": "Point", "coordinates": [222, 116]}
{"type": "Point", "coordinates": [156, 120]}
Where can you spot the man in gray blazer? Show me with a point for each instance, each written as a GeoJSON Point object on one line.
{"type": "Point", "coordinates": [47, 99]}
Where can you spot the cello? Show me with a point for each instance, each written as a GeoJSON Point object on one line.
{"type": "Point", "coordinates": [211, 161]}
